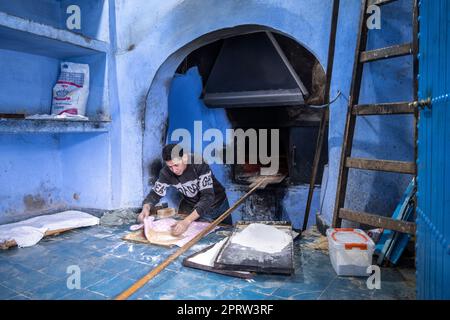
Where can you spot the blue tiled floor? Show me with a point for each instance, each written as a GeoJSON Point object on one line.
{"type": "Point", "coordinates": [109, 265]}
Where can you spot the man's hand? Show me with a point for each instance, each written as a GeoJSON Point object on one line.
{"type": "Point", "coordinates": [144, 213]}
{"type": "Point", "coordinates": [180, 227]}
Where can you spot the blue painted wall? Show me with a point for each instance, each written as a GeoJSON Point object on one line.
{"type": "Point", "coordinates": [47, 12]}
{"type": "Point", "coordinates": [150, 38]}
{"type": "Point", "coordinates": [295, 19]}
{"type": "Point", "coordinates": [86, 170]}
{"type": "Point", "coordinates": [42, 172]}
{"type": "Point", "coordinates": [94, 14]}
{"type": "Point", "coordinates": [30, 175]}
{"type": "Point", "coordinates": [20, 74]}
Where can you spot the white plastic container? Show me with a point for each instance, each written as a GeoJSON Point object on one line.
{"type": "Point", "coordinates": [351, 251]}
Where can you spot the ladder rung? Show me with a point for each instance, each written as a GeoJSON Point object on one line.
{"type": "Point", "coordinates": [386, 53]}
{"type": "Point", "coordinates": [378, 221]}
{"type": "Point", "coordinates": [384, 108]}
{"type": "Point", "coordinates": [379, 2]}
{"type": "Point", "coordinates": [381, 165]}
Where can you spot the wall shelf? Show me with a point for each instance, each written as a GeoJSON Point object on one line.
{"type": "Point", "coordinates": [31, 53]}
{"type": "Point", "coordinates": [23, 35]}
{"type": "Point", "coordinates": [18, 126]}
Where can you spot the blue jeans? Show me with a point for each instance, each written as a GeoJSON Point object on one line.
{"type": "Point", "coordinates": [211, 215]}
{"type": "Point", "coordinates": [215, 213]}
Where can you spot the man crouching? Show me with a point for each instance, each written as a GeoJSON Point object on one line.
{"type": "Point", "coordinates": [203, 197]}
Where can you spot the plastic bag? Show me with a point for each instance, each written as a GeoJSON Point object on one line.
{"type": "Point", "coordinates": [70, 94]}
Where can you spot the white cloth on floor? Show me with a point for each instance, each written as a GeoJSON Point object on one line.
{"type": "Point", "coordinates": [29, 232]}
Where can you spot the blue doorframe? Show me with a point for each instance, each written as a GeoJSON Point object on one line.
{"type": "Point", "coordinates": [433, 209]}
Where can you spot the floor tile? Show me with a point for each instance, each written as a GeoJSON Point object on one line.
{"type": "Point", "coordinates": [6, 293]}
{"type": "Point", "coordinates": [113, 286]}
{"type": "Point", "coordinates": [109, 265]}
{"type": "Point", "coordinates": [22, 279]}
{"type": "Point", "coordinates": [83, 295]}
{"type": "Point", "coordinates": [347, 288]}
{"type": "Point", "coordinates": [50, 291]}
{"type": "Point", "coordinates": [20, 297]}
{"type": "Point", "coordinates": [300, 296]}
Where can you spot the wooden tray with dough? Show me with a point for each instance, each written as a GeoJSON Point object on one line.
{"type": "Point", "coordinates": [233, 256]}
{"type": "Point", "coordinates": [230, 273]}
{"type": "Point", "coordinates": [139, 237]}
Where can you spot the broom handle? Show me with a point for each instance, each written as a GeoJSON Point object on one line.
{"type": "Point", "coordinates": [142, 281]}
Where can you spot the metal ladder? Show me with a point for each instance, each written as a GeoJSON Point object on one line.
{"type": "Point", "coordinates": [354, 110]}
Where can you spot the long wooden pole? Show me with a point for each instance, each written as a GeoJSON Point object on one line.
{"type": "Point", "coordinates": [141, 282]}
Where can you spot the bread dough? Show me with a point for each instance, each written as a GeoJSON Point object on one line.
{"type": "Point", "coordinates": [158, 234]}
{"type": "Point", "coordinates": [161, 237]}
{"type": "Point", "coordinates": [263, 237]}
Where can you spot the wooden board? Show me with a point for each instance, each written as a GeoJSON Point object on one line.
{"type": "Point", "coordinates": [273, 179]}
{"type": "Point", "coordinates": [230, 273]}
{"type": "Point", "coordinates": [238, 258]}
{"type": "Point", "coordinates": [166, 213]}
{"type": "Point", "coordinates": [139, 237]}
{"type": "Point", "coordinates": [12, 115]}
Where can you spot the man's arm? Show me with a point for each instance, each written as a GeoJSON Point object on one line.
{"type": "Point", "coordinates": [181, 226]}
{"type": "Point", "coordinates": [145, 212]}
{"type": "Point", "coordinates": [158, 191]}
{"type": "Point", "coordinates": [206, 191]}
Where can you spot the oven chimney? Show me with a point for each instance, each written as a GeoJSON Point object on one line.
{"type": "Point", "coordinates": [252, 70]}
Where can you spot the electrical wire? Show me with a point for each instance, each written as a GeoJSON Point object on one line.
{"type": "Point", "coordinates": [324, 105]}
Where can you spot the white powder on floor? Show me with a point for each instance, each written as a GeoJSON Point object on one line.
{"type": "Point", "coordinates": [208, 257]}
{"type": "Point", "coordinates": [262, 237]}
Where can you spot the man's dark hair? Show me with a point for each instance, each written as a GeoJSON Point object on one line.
{"type": "Point", "coordinates": [172, 149]}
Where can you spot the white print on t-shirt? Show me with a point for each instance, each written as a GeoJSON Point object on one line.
{"type": "Point", "coordinates": [160, 188]}
{"type": "Point", "coordinates": [189, 188]}
{"type": "Point", "coordinates": [192, 187]}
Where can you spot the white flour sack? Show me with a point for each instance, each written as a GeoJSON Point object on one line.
{"type": "Point", "coordinates": [70, 94]}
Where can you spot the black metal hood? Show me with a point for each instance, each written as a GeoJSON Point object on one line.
{"type": "Point", "coordinates": [252, 70]}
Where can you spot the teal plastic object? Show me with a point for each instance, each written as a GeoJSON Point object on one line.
{"type": "Point", "coordinates": [392, 244]}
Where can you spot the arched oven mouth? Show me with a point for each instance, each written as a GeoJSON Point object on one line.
{"type": "Point", "coordinates": [265, 80]}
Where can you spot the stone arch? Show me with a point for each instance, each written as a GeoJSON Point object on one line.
{"type": "Point", "coordinates": [156, 104]}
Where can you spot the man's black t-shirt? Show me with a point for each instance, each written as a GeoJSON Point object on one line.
{"type": "Point", "coordinates": [200, 188]}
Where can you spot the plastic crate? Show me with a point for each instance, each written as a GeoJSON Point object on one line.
{"type": "Point", "coordinates": [350, 250]}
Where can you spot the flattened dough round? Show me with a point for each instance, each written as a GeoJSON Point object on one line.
{"type": "Point", "coordinates": [262, 237]}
